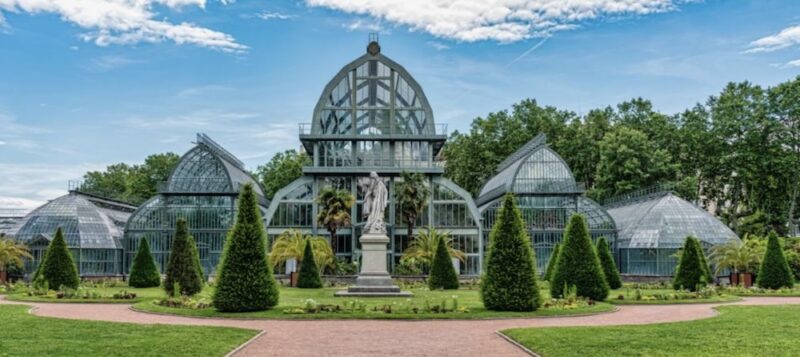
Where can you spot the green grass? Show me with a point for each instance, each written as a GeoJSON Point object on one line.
{"type": "Point", "coordinates": [629, 294]}
{"type": "Point", "coordinates": [27, 335]}
{"type": "Point", "coordinates": [141, 295]}
{"type": "Point", "coordinates": [738, 331]}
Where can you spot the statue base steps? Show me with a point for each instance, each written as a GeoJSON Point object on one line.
{"type": "Point", "coordinates": [374, 280]}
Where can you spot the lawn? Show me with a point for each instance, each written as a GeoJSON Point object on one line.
{"type": "Point", "coordinates": [27, 335]}
{"type": "Point", "coordinates": [662, 296]}
{"type": "Point", "coordinates": [738, 331]}
{"type": "Point", "coordinates": [105, 292]}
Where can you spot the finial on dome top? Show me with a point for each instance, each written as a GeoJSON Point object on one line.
{"type": "Point", "coordinates": [373, 47]}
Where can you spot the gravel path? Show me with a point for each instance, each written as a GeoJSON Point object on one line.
{"type": "Point", "coordinates": [354, 338]}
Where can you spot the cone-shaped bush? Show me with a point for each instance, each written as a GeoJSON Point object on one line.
{"type": "Point", "coordinates": [690, 274]}
{"type": "Point", "coordinates": [183, 267]}
{"type": "Point", "coordinates": [245, 281]}
{"type": "Point", "coordinates": [59, 268]}
{"type": "Point", "coordinates": [774, 272]}
{"type": "Point", "coordinates": [578, 264]}
{"type": "Point", "coordinates": [144, 273]}
{"type": "Point", "coordinates": [551, 264]}
{"type": "Point", "coordinates": [443, 274]}
{"type": "Point", "coordinates": [309, 273]}
{"type": "Point", "coordinates": [509, 281]}
{"type": "Point", "coordinates": [704, 263]}
{"type": "Point", "coordinates": [609, 266]}
{"type": "Point", "coordinates": [37, 274]}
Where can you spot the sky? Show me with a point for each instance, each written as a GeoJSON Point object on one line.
{"type": "Point", "coordinates": [88, 83]}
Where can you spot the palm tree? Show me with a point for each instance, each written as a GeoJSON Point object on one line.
{"type": "Point", "coordinates": [12, 252]}
{"type": "Point", "coordinates": [412, 197]}
{"type": "Point", "coordinates": [421, 250]}
{"type": "Point", "coordinates": [737, 256]}
{"type": "Point", "coordinates": [291, 243]}
{"type": "Point", "coordinates": [334, 211]}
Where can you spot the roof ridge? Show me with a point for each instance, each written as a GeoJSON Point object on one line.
{"type": "Point", "coordinates": [537, 141]}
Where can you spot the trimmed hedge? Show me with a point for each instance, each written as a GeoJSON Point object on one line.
{"type": "Point", "coordinates": [443, 274]}
{"type": "Point", "coordinates": [144, 273]}
{"type": "Point", "coordinates": [308, 277]}
{"type": "Point", "coordinates": [59, 269]}
{"type": "Point", "coordinates": [509, 280]}
{"type": "Point", "coordinates": [245, 281]}
{"type": "Point", "coordinates": [578, 264]}
{"type": "Point", "coordinates": [551, 265]}
{"type": "Point", "coordinates": [183, 267]}
{"type": "Point", "coordinates": [690, 273]}
{"type": "Point", "coordinates": [774, 272]}
{"type": "Point", "coordinates": [609, 266]}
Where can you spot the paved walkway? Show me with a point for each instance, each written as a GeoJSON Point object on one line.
{"type": "Point", "coordinates": [354, 338]}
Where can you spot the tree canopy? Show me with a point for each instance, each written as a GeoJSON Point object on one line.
{"type": "Point", "coordinates": [131, 183]}
{"type": "Point", "coordinates": [281, 170]}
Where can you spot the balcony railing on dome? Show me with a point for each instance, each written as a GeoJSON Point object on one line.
{"type": "Point", "coordinates": [438, 129]}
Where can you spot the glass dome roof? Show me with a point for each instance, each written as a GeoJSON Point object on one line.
{"type": "Point", "coordinates": [664, 221]}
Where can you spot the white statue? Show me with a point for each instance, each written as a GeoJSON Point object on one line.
{"type": "Point", "coordinates": [376, 197]}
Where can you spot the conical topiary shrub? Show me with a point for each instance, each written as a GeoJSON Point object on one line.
{"type": "Point", "coordinates": [144, 273]}
{"type": "Point", "coordinates": [704, 262]}
{"type": "Point", "coordinates": [443, 274]}
{"type": "Point", "coordinates": [774, 272]}
{"type": "Point", "coordinates": [59, 269]}
{"type": "Point", "coordinates": [509, 280]}
{"type": "Point", "coordinates": [245, 281]}
{"type": "Point", "coordinates": [609, 266]}
{"type": "Point", "coordinates": [578, 265]}
{"type": "Point", "coordinates": [551, 264]}
{"type": "Point", "coordinates": [183, 267]}
{"type": "Point", "coordinates": [690, 274]}
{"type": "Point", "coordinates": [309, 273]}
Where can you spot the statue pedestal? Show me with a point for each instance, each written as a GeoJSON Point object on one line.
{"type": "Point", "coordinates": [373, 280]}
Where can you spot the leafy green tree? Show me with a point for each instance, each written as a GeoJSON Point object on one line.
{"type": "Point", "coordinates": [412, 197]}
{"type": "Point", "coordinates": [784, 108]}
{"type": "Point", "coordinates": [704, 263]}
{"type": "Point", "coordinates": [131, 183]}
{"type": "Point", "coordinates": [774, 272]}
{"type": "Point", "coordinates": [609, 266]}
{"type": "Point", "coordinates": [509, 281]}
{"type": "Point", "coordinates": [183, 266]}
{"type": "Point", "coordinates": [59, 268]}
{"type": "Point", "coordinates": [334, 211]}
{"type": "Point", "coordinates": [245, 281]}
{"type": "Point", "coordinates": [690, 273]}
{"type": "Point", "coordinates": [422, 250]}
{"type": "Point", "coordinates": [578, 264]}
{"type": "Point", "coordinates": [281, 170]}
{"type": "Point", "coordinates": [12, 254]}
{"type": "Point", "coordinates": [443, 275]}
{"type": "Point", "coordinates": [291, 244]}
{"type": "Point", "coordinates": [144, 273]}
{"type": "Point", "coordinates": [309, 273]}
{"type": "Point", "coordinates": [551, 264]}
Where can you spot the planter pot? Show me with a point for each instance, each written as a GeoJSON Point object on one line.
{"type": "Point", "coordinates": [734, 277]}
{"type": "Point", "coordinates": [293, 279]}
{"type": "Point", "coordinates": [746, 280]}
{"type": "Point", "coordinates": [3, 276]}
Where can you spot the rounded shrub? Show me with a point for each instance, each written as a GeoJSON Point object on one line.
{"type": "Point", "coordinates": [59, 269]}
{"type": "Point", "coordinates": [245, 281]}
{"type": "Point", "coordinates": [774, 272]}
{"type": "Point", "coordinates": [690, 273]}
{"type": "Point", "coordinates": [443, 274]}
{"type": "Point", "coordinates": [309, 273]}
{"type": "Point", "coordinates": [183, 267]}
{"type": "Point", "coordinates": [609, 266]}
{"type": "Point", "coordinates": [144, 273]}
{"type": "Point", "coordinates": [551, 264]}
{"type": "Point", "coordinates": [509, 280]}
{"type": "Point", "coordinates": [578, 265]}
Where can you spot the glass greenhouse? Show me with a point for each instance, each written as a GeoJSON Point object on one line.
{"type": "Point", "coordinates": [203, 189]}
{"type": "Point", "coordinates": [654, 226]}
{"type": "Point", "coordinates": [92, 226]}
{"type": "Point", "coordinates": [373, 116]}
{"type": "Point", "coordinates": [547, 195]}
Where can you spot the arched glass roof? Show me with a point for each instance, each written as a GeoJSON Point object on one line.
{"type": "Point", "coordinates": [664, 221]}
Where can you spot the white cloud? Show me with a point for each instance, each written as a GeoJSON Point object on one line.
{"type": "Point", "coordinates": [361, 25]}
{"type": "Point", "coordinates": [789, 36]}
{"type": "Point", "coordinates": [107, 63]}
{"type": "Point", "coordinates": [795, 63]}
{"type": "Point", "coordinates": [499, 20]}
{"type": "Point", "coordinates": [19, 203]}
{"type": "Point", "coordinates": [438, 45]}
{"type": "Point", "coordinates": [39, 182]}
{"type": "Point", "coordinates": [128, 21]}
{"type": "Point", "coordinates": [273, 16]}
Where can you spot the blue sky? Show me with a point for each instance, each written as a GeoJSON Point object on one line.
{"type": "Point", "coordinates": [84, 84]}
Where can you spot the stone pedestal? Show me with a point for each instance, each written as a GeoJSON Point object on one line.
{"type": "Point", "coordinates": [373, 280]}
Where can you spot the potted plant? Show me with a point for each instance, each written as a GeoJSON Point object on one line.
{"type": "Point", "coordinates": [289, 246]}
{"type": "Point", "coordinates": [742, 259]}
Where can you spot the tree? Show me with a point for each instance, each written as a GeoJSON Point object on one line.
{"type": "Point", "coordinates": [59, 268]}
{"type": "Point", "coordinates": [443, 275]}
{"type": "Point", "coordinates": [334, 211]}
{"type": "Point", "coordinates": [291, 244]}
{"type": "Point", "coordinates": [609, 266]}
{"type": "Point", "coordinates": [183, 266]}
{"type": "Point", "coordinates": [12, 253]}
{"type": "Point", "coordinates": [737, 256]}
{"type": "Point", "coordinates": [704, 264]}
{"type": "Point", "coordinates": [509, 281]}
{"type": "Point", "coordinates": [245, 281]}
{"type": "Point", "coordinates": [281, 170]}
{"type": "Point", "coordinates": [551, 264]}
{"type": "Point", "coordinates": [412, 197]}
{"type": "Point", "coordinates": [578, 264]}
{"type": "Point", "coordinates": [774, 272]}
{"type": "Point", "coordinates": [144, 273]}
{"type": "Point", "coordinates": [690, 273]}
{"type": "Point", "coordinates": [131, 183]}
{"type": "Point", "coordinates": [309, 272]}
{"type": "Point", "coordinates": [422, 250]}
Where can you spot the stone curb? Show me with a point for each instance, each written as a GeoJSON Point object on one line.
{"type": "Point", "coordinates": [242, 346]}
{"type": "Point", "coordinates": [517, 344]}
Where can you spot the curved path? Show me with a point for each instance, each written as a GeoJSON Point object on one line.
{"type": "Point", "coordinates": [396, 337]}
